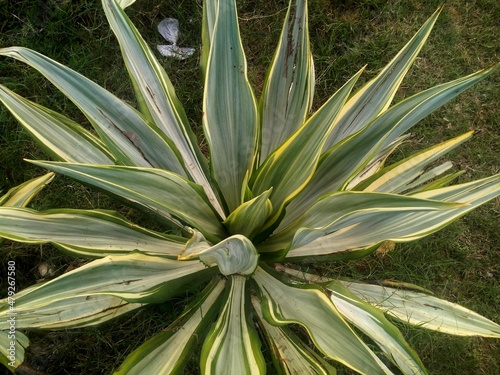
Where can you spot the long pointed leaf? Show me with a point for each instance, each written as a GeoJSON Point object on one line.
{"type": "Point", "coordinates": [21, 195]}
{"type": "Point", "coordinates": [288, 169]}
{"type": "Point", "coordinates": [230, 113]}
{"type": "Point", "coordinates": [59, 136]}
{"type": "Point", "coordinates": [338, 211]}
{"type": "Point", "coordinates": [158, 95]}
{"type": "Point", "coordinates": [124, 131]}
{"type": "Point", "coordinates": [290, 355]}
{"type": "Point", "coordinates": [425, 311]}
{"type": "Point", "coordinates": [289, 87]}
{"type": "Point", "coordinates": [71, 312]}
{"type": "Point", "coordinates": [359, 236]}
{"type": "Point", "coordinates": [342, 163]}
{"type": "Point", "coordinates": [397, 177]}
{"type": "Point", "coordinates": [376, 96]}
{"type": "Point", "coordinates": [85, 233]}
{"type": "Point", "coordinates": [134, 277]}
{"type": "Point", "coordinates": [373, 323]}
{"type": "Point", "coordinates": [163, 192]}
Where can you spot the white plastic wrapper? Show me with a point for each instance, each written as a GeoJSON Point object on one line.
{"type": "Point", "coordinates": [169, 29]}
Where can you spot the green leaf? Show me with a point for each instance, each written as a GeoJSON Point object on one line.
{"type": "Point", "coordinates": [335, 213]}
{"type": "Point", "coordinates": [69, 312]}
{"type": "Point", "coordinates": [21, 342]}
{"type": "Point", "coordinates": [359, 235]}
{"type": "Point", "coordinates": [232, 346]}
{"type": "Point", "coordinates": [21, 195]}
{"type": "Point", "coordinates": [401, 176]}
{"type": "Point", "coordinates": [134, 277]}
{"type": "Point", "coordinates": [376, 96]}
{"type": "Point", "coordinates": [344, 161]}
{"type": "Point", "coordinates": [160, 191]}
{"type": "Point", "coordinates": [374, 324]}
{"type": "Point", "coordinates": [208, 25]}
{"type": "Point", "coordinates": [425, 311]}
{"type": "Point", "coordinates": [168, 351]}
{"type": "Point", "coordinates": [157, 95]}
{"type": "Point", "coordinates": [289, 86]}
{"type": "Point", "coordinates": [60, 137]}
{"type": "Point", "coordinates": [249, 218]}
{"type": "Point", "coordinates": [311, 308]}
{"type": "Point", "coordinates": [124, 131]}
{"type": "Point", "coordinates": [230, 118]}
{"type": "Point", "coordinates": [89, 233]}
{"type": "Point", "coordinates": [289, 168]}
{"type": "Point", "coordinates": [290, 354]}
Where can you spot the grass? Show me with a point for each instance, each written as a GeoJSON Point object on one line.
{"type": "Point", "coordinates": [460, 263]}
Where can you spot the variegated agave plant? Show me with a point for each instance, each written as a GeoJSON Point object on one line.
{"type": "Point", "coordinates": [280, 187]}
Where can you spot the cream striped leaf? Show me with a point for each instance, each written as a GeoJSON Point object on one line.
{"type": "Point", "coordinates": [230, 119]}
{"type": "Point", "coordinates": [425, 311]}
{"type": "Point", "coordinates": [157, 95]}
{"type": "Point", "coordinates": [344, 161]}
{"type": "Point", "coordinates": [312, 309]}
{"type": "Point", "coordinates": [232, 346]}
{"type": "Point", "coordinates": [359, 236]}
{"type": "Point", "coordinates": [60, 137]}
{"type": "Point", "coordinates": [374, 324]}
{"type": "Point", "coordinates": [400, 176]}
{"type": "Point", "coordinates": [168, 351]}
{"type": "Point", "coordinates": [376, 96]}
{"type": "Point", "coordinates": [135, 277]}
{"type": "Point", "coordinates": [21, 195]}
{"type": "Point", "coordinates": [290, 355]}
{"type": "Point", "coordinates": [160, 191]}
{"type": "Point", "coordinates": [89, 233]}
{"type": "Point", "coordinates": [124, 131]}
{"type": "Point", "coordinates": [289, 168]}
{"type": "Point", "coordinates": [71, 312]}
{"type": "Point", "coordinates": [250, 217]}
{"type": "Point", "coordinates": [289, 86]}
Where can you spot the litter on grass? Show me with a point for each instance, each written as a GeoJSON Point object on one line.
{"type": "Point", "coordinates": [169, 29]}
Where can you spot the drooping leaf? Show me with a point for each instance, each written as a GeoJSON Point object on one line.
{"type": "Point", "coordinates": [69, 312]}
{"type": "Point", "coordinates": [232, 346]}
{"type": "Point", "coordinates": [21, 195]}
{"type": "Point", "coordinates": [374, 324]}
{"type": "Point", "coordinates": [134, 277]}
{"type": "Point", "coordinates": [233, 255]}
{"type": "Point", "coordinates": [230, 119]}
{"type": "Point", "coordinates": [425, 311]}
{"type": "Point", "coordinates": [160, 191]}
{"type": "Point", "coordinates": [168, 351]}
{"type": "Point", "coordinates": [290, 354]}
{"type": "Point", "coordinates": [60, 137]}
{"type": "Point", "coordinates": [90, 233]}
{"type": "Point", "coordinates": [311, 308]}
{"type": "Point", "coordinates": [124, 131]}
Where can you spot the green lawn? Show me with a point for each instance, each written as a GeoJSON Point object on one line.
{"type": "Point", "coordinates": [460, 263]}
